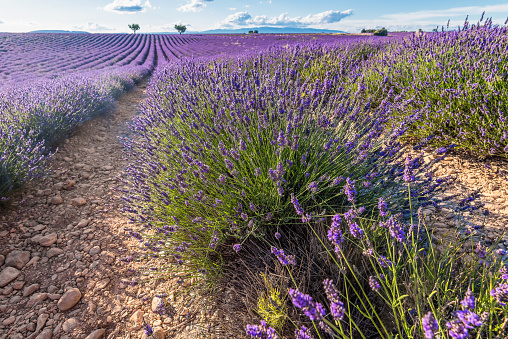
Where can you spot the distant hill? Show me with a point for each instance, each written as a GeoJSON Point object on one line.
{"type": "Point", "coordinates": [279, 30]}
{"type": "Point", "coordinates": [58, 31]}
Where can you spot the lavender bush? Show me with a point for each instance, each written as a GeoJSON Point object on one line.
{"type": "Point", "coordinates": [228, 150]}
{"type": "Point", "coordinates": [455, 81]}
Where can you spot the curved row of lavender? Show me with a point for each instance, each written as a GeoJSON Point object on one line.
{"type": "Point", "coordinates": [50, 83]}
{"type": "Point", "coordinates": [287, 163]}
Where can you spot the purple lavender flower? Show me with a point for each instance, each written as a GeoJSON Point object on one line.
{"type": "Point", "coordinates": [336, 307]}
{"type": "Point", "coordinates": [349, 190]}
{"type": "Point", "coordinates": [303, 333]}
{"type": "Point", "coordinates": [382, 207]}
{"type": "Point", "coordinates": [237, 247]}
{"type": "Point", "coordinates": [277, 235]}
{"type": "Point", "coordinates": [374, 284]}
{"type": "Point", "coordinates": [430, 325]}
{"type": "Point", "coordinates": [283, 258]}
{"type": "Point", "coordinates": [215, 240]}
{"type": "Point", "coordinates": [148, 329]}
{"type": "Point", "coordinates": [315, 311]}
{"type": "Point", "coordinates": [504, 272]}
{"type": "Point", "coordinates": [408, 171]}
{"type": "Point", "coordinates": [469, 301]}
{"type": "Point", "coordinates": [306, 218]}
{"type": "Point", "coordinates": [335, 234]}
{"type": "Point", "coordinates": [313, 187]}
{"type": "Point", "coordinates": [500, 293]}
{"type": "Point", "coordinates": [384, 261]}
{"type": "Point", "coordinates": [355, 230]}
{"type": "Point", "coordinates": [457, 330]}
{"type": "Point", "coordinates": [469, 319]}
{"type": "Point", "coordinates": [396, 229]}
{"type": "Point", "coordinates": [262, 331]}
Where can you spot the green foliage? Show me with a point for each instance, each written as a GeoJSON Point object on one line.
{"type": "Point", "coordinates": [272, 306]}
{"type": "Point", "coordinates": [381, 32]}
{"type": "Point", "coordinates": [180, 28]}
{"type": "Point", "coordinates": [134, 27]}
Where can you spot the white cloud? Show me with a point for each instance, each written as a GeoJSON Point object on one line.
{"type": "Point", "coordinates": [245, 19]}
{"type": "Point", "coordinates": [450, 12]}
{"type": "Point", "coordinates": [93, 27]}
{"type": "Point", "coordinates": [1, 22]}
{"type": "Point", "coordinates": [128, 6]}
{"type": "Point", "coordinates": [193, 5]}
{"type": "Point", "coordinates": [232, 8]}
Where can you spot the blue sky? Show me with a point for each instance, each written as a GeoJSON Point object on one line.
{"type": "Point", "coordinates": [109, 16]}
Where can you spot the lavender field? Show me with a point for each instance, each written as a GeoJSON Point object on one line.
{"type": "Point", "coordinates": [305, 164]}
{"type": "Point", "coordinates": [51, 83]}
{"type": "Point", "coordinates": [284, 178]}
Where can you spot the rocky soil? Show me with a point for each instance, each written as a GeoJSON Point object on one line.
{"type": "Point", "coordinates": [65, 268]}
{"type": "Point", "coordinates": [485, 180]}
{"type": "Point", "coordinates": [62, 242]}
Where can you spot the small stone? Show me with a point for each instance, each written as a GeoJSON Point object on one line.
{"type": "Point", "coordinates": [39, 193]}
{"type": "Point", "coordinates": [91, 307]}
{"type": "Point", "coordinates": [108, 168]}
{"type": "Point", "coordinates": [136, 320]}
{"type": "Point", "coordinates": [2, 259]}
{"type": "Point", "coordinates": [83, 223]}
{"type": "Point", "coordinates": [41, 321]}
{"type": "Point", "coordinates": [97, 334]}
{"type": "Point", "coordinates": [69, 184]}
{"type": "Point", "coordinates": [17, 285]}
{"type": "Point", "coordinates": [7, 275]}
{"type": "Point", "coordinates": [17, 259]}
{"type": "Point", "coordinates": [33, 261]}
{"type": "Point", "coordinates": [30, 289]}
{"type": "Point", "coordinates": [31, 327]}
{"type": "Point", "coordinates": [8, 290]}
{"type": "Point", "coordinates": [9, 321]}
{"type": "Point", "coordinates": [70, 324]}
{"type": "Point", "coordinates": [48, 239]}
{"type": "Point", "coordinates": [46, 334]}
{"type": "Point", "coordinates": [54, 252]}
{"type": "Point", "coordinates": [37, 298]}
{"type": "Point", "coordinates": [116, 309]}
{"type": "Point", "coordinates": [56, 200]}
{"type": "Point", "coordinates": [94, 250]}
{"type": "Point", "coordinates": [155, 303]}
{"type": "Point", "coordinates": [54, 296]}
{"type": "Point", "coordinates": [78, 201]}
{"type": "Point", "coordinates": [101, 284]}
{"type": "Point", "coordinates": [69, 299]}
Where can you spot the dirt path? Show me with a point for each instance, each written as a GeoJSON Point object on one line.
{"type": "Point", "coordinates": [60, 245]}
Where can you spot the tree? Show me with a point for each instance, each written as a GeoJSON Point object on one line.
{"type": "Point", "coordinates": [134, 27]}
{"type": "Point", "coordinates": [181, 28]}
{"type": "Point", "coordinates": [381, 32]}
